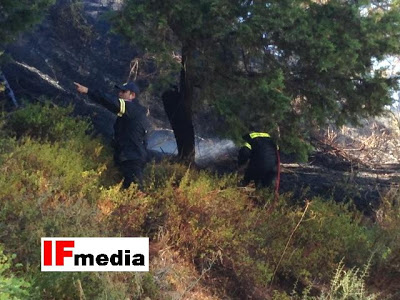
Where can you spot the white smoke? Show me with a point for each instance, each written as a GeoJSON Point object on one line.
{"type": "Point", "coordinates": [163, 140]}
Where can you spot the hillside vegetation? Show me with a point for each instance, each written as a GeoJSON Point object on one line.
{"type": "Point", "coordinates": [209, 239]}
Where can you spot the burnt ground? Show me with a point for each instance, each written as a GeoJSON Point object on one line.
{"type": "Point", "coordinates": [363, 185]}
{"type": "Point", "coordinates": [329, 175]}
{"type": "Point", "coordinates": [349, 171]}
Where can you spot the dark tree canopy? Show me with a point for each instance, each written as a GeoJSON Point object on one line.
{"type": "Point", "coordinates": [18, 16]}
{"type": "Point", "coordinates": [286, 65]}
{"type": "Point", "coordinates": [15, 17]}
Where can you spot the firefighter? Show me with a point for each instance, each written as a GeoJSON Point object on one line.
{"type": "Point", "coordinates": [129, 129]}
{"type": "Point", "coordinates": [263, 154]}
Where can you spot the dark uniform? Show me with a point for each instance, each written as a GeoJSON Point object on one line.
{"type": "Point", "coordinates": [262, 152]}
{"type": "Point", "coordinates": [129, 135]}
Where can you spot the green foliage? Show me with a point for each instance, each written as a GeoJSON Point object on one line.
{"type": "Point", "coordinates": [71, 23]}
{"type": "Point", "coordinates": [207, 217]}
{"type": "Point", "coordinates": [287, 65]}
{"type": "Point", "coordinates": [46, 122]}
{"type": "Point", "coordinates": [346, 285]}
{"type": "Point", "coordinates": [388, 216]}
{"type": "Point", "coordinates": [18, 16]}
{"type": "Point", "coordinates": [94, 286]}
{"type": "Point", "coordinates": [53, 186]}
{"type": "Point", "coordinates": [11, 287]}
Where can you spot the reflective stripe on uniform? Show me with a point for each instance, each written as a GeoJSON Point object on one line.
{"type": "Point", "coordinates": [254, 135]}
{"type": "Point", "coordinates": [247, 145]}
{"type": "Point", "coordinates": [122, 107]}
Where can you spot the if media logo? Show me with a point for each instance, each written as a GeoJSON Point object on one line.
{"type": "Point", "coordinates": [95, 254]}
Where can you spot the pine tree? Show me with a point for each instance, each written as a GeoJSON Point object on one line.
{"type": "Point", "coordinates": [16, 17]}
{"type": "Point", "coordinates": [285, 65]}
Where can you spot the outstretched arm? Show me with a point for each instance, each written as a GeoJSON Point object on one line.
{"type": "Point", "coordinates": [113, 104]}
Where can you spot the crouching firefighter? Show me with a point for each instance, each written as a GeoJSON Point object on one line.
{"type": "Point", "coordinates": [264, 162]}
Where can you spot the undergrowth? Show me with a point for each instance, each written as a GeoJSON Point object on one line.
{"type": "Point", "coordinates": [58, 180]}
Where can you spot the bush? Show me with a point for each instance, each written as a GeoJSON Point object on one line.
{"type": "Point", "coordinates": [11, 287]}
{"type": "Point", "coordinates": [208, 219]}
{"type": "Point", "coordinates": [52, 186]}
{"type": "Point", "coordinates": [387, 272]}
{"type": "Point", "coordinates": [346, 285]}
{"type": "Point", "coordinates": [46, 122]}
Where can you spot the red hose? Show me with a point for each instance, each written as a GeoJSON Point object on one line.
{"type": "Point", "coordinates": [278, 176]}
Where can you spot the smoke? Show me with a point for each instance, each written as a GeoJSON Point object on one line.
{"type": "Point", "coordinates": [207, 150]}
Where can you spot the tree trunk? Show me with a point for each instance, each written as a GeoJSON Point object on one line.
{"type": "Point", "coordinates": [178, 106]}
{"type": "Point", "coordinates": [7, 89]}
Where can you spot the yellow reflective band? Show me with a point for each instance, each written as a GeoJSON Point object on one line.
{"type": "Point", "coordinates": [254, 135]}
{"type": "Point", "coordinates": [122, 108]}
{"type": "Point", "coordinates": [247, 145]}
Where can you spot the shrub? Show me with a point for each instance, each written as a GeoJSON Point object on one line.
{"type": "Point", "coordinates": [50, 186]}
{"type": "Point", "coordinates": [46, 121]}
{"type": "Point", "coordinates": [387, 272]}
{"type": "Point", "coordinates": [53, 186]}
{"type": "Point", "coordinates": [346, 285]}
{"type": "Point", "coordinates": [11, 287]}
{"type": "Point", "coordinates": [207, 219]}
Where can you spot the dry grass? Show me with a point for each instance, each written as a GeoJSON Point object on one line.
{"type": "Point", "coordinates": [376, 143]}
{"type": "Point", "coordinates": [178, 278]}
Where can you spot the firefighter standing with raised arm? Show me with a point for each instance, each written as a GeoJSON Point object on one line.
{"type": "Point", "coordinates": [263, 154]}
{"type": "Point", "coordinates": [129, 129]}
